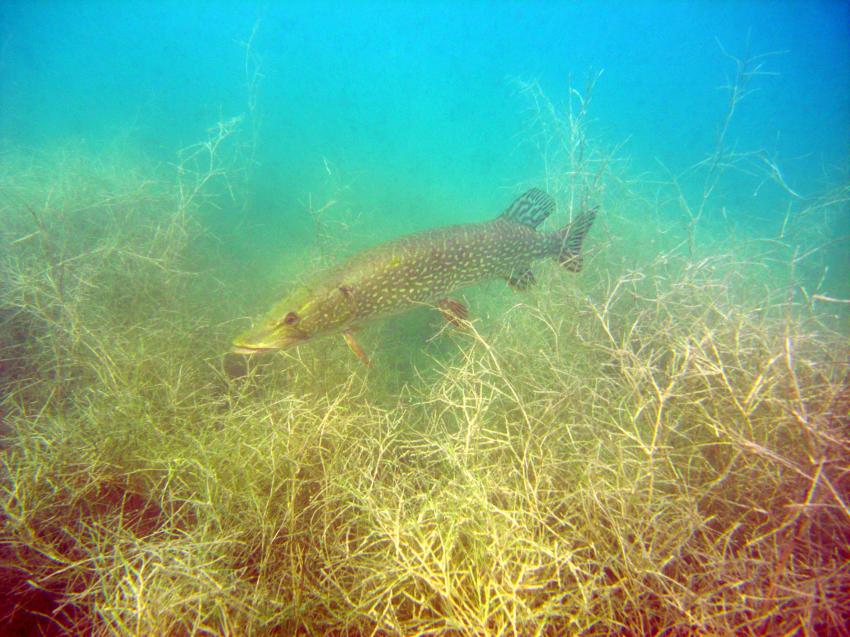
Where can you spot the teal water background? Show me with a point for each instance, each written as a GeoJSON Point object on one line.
{"type": "Point", "coordinates": [414, 106]}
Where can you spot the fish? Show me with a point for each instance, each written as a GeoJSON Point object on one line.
{"type": "Point", "coordinates": [419, 269]}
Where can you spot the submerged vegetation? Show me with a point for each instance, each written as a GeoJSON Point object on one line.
{"type": "Point", "coordinates": [660, 445]}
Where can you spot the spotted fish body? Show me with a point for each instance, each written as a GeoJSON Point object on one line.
{"type": "Point", "coordinates": [421, 269]}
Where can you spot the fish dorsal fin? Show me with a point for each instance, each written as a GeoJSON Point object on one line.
{"type": "Point", "coordinates": [530, 208]}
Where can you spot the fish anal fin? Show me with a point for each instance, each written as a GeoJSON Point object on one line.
{"type": "Point", "coordinates": [453, 311]}
{"type": "Point", "coordinates": [521, 279]}
{"type": "Point", "coordinates": [354, 346]}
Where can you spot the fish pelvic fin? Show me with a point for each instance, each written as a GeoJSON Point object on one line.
{"type": "Point", "coordinates": [453, 311]}
{"type": "Point", "coordinates": [530, 209]}
{"type": "Point", "coordinates": [567, 241]}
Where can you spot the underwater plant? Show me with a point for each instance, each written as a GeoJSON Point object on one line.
{"type": "Point", "coordinates": [659, 445]}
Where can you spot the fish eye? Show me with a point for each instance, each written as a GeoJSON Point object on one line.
{"type": "Point", "coordinates": [291, 319]}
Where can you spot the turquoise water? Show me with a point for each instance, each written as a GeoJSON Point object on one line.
{"type": "Point", "coordinates": [412, 112]}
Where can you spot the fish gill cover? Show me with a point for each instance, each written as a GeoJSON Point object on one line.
{"type": "Point", "coordinates": [655, 444]}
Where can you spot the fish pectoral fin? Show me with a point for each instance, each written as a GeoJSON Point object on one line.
{"type": "Point", "coordinates": [355, 347]}
{"type": "Point", "coordinates": [521, 279]}
{"type": "Point", "coordinates": [453, 311]}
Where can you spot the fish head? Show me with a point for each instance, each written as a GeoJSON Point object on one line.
{"type": "Point", "coordinates": [304, 315]}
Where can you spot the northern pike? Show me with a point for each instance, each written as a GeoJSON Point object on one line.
{"type": "Point", "coordinates": [420, 269]}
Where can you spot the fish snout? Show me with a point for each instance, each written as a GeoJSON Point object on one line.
{"type": "Point", "coordinates": [267, 338]}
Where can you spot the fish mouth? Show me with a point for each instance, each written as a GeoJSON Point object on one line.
{"type": "Point", "coordinates": [241, 349]}
{"type": "Point", "coordinates": [264, 347]}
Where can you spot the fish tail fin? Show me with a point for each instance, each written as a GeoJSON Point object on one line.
{"type": "Point", "coordinates": [567, 241]}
